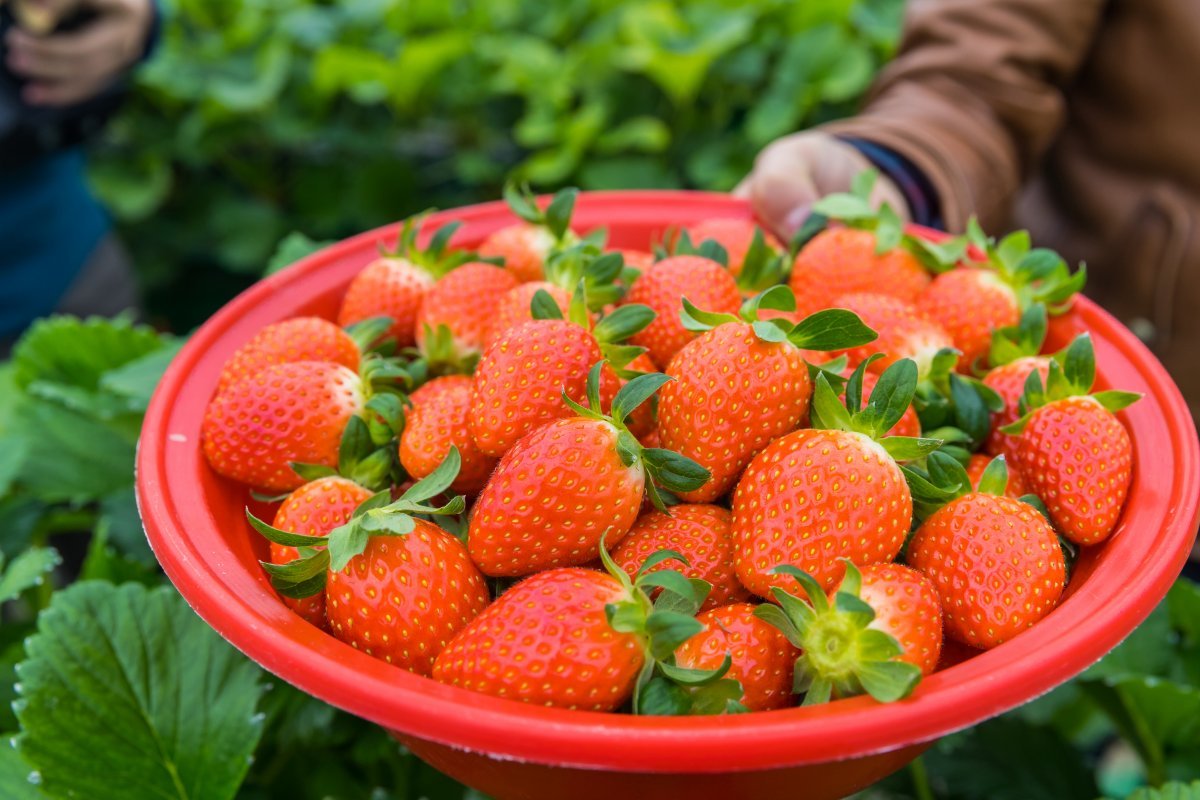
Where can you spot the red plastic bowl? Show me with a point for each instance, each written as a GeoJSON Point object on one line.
{"type": "Point", "coordinates": [195, 524]}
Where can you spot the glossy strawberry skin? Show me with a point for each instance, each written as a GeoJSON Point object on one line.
{"type": "Point", "coordinates": [1008, 381]}
{"type": "Point", "coordinates": [762, 659]}
{"type": "Point", "coordinates": [297, 339]}
{"type": "Point", "coordinates": [523, 247]}
{"type": "Point", "coordinates": [907, 609]}
{"type": "Point", "coordinates": [839, 261]}
{"type": "Point", "coordinates": [387, 287]}
{"type": "Point", "coordinates": [705, 283]}
{"type": "Point", "coordinates": [969, 304]}
{"type": "Point", "coordinates": [552, 497]}
{"type": "Point", "coordinates": [996, 564]}
{"type": "Point", "coordinates": [437, 421]}
{"type": "Point", "coordinates": [636, 259]}
{"type": "Point", "coordinates": [405, 597]}
{"type": "Point", "coordinates": [699, 533]}
{"type": "Point", "coordinates": [1077, 457]}
{"type": "Point", "coordinates": [733, 234]}
{"type": "Point", "coordinates": [293, 412]}
{"type": "Point", "coordinates": [547, 641]}
{"type": "Point", "coordinates": [520, 380]}
{"type": "Point", "coordinates": [315, 509]}
{"type": "Point", "coordinates": [465, 301]}
{"type": "Point", "coordinates": [903, 332]}
{"type": "Point", "coordinates": [814, 497]}
{"type": "Point", "coordinates": [1016, 484]}
{"type": "Point", "coordinates": [733, 393]}
{"type": "Point", "coordinates": [514, 309]}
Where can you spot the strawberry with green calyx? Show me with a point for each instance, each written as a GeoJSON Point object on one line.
{"type": "Point", "coordinates": [575, 638]}
{"type": "Point", "coordinates": [954, 407]}
{"type": "Point", "coordinates": [995, 561]}
{"type": "Point", "coordinates": [314, 509]}
{"type": "Point", "coordinates": [744, 368]}
{"type": "Point", "coordinates": [869, 253]}
{"type": "Point", "coordinates": [565, 485]}
{"type": "Point", "coordinates": [761, 659]}
{"type": "Point", "coordinates": [396, 586]}
{"type": "Point", "coordinates": [438, 421]}
{"type": "Point", "coordinates": [663, 287]}
{"type": "Point", "coordinates": [755, 259]}
{"type": "Point", "coordinates": [844, 651]}
{"type": "Point", "coordinates": [1071, 449]}
{"type": "Point", "coordinates": [457, 315]}
{"type": "Point", "coordinates": [299, 412]}
{"type": "Point", "coordinates": [977, 467]}
{"type": "Point", "coordinates": [903, 333]}
{"type": "Point", "coordinates": [701, 534]}
{"type": "Point", "coordinates": [581, 264]}
{"type": "Point", "coordinates": [833, 490]}
{"type": "Point", "coordinates": [973, 301]}
{"type": "Point", "coordinates": [525, 246]}
{"type": "Point", "coordinates": [395, 284]}
{"type": "Point", "coordinates": [1015, 354]}
{"type": "Point", "coordinates": [520, 377]}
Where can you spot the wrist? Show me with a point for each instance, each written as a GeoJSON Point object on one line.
{"type": "Point", "coordinates": [924, 205]}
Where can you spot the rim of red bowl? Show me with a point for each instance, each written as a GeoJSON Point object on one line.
{"type": "Point", "coordinates": [235, 599]}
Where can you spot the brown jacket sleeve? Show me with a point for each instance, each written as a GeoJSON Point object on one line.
{"type": "Point", "coordinates": [975, 95]}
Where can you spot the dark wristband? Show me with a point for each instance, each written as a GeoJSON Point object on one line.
{"type": "Point", "coordinates": [924, 205]}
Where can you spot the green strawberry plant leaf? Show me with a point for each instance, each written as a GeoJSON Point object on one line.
{"type": "Point", "coordinates": [1172, 790]}
{"type": "Point", "coordinates": [17, 779]}
{"type": "Point", "coordinates": [76, 352]}
{"type": "Point", "coordinates": [139, 662]}
{"type": "Point", "coordinates": [27, 570]}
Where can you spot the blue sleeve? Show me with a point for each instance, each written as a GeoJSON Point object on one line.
{"type": "Point", "coordinates": [923, 203]}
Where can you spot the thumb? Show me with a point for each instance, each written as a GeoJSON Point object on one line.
{"type": "Point", "coordinates": [783, 186]}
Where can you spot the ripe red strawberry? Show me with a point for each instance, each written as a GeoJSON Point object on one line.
{"type": "Point", "coordinates": [832, 492]}
{"type": "Point", "coordinates": [762, 659]}
{"type": "Point", "coordinates": [438, 421]}
{"type": "Point", "coordinates": [1072, 450]}
{"type": "Point", "coordinates": [740, 385]}
{"type": "Point", "coordinates": [254, 430]}
{"type": "Point", "coordinates": [906, 608]}
{"type": "Point", "coordinates": [969, 303]}
{"type": "Point", "coordinates": [842, 261]}
{"type": "Point", "coordinates": [700, 533]}
{"type": "Point", "coordinates": [297, 339]}
{"type": "Point", "coordinates": [706, 284]}
{"type": "Point", "coordinates": [525, 246]}
{"type": "Point", "coordinates": [315, 509]}
{"type": "Point", "coordinates": [395, 284]}
{"type": "Point", "coordinates": [876, 634]}
{"type": "Point", "coordinates": [735, 235]}
{"type": "Point", "coordinates": [903, 332]}
{"type": "Point", "coordinates": [636, 259]}
{"type": "Point", "coordinates": [396, 586]}
{"type": "Point", "coordinates": [996, 562]}
{"type": "Point", "coordinates": [514, 308]}
{"type": "Point", "coordinates": [547, 641]}
{"type": "Point", "coordinates": [405, 597]}
{"type": "Point", "coordinates": [1008, 381]}
{"type": "Point", "coordinates": [521, 377]}
{"type": "Point", "coordinates": [570, 484]}
{"type": "Point", "coordinates": [979, 463]}
{"type": "Point", "coordinates": [458, 312]}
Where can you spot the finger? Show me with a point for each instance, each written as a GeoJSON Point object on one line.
{"type": "Point", "coordinates": [61, 93]}
{"type": "Point", "coordinates": [95, 51]}
{"type": "Point", "coordinates": [41, 16]}
{"type": "Point", "coordinates": [742, 190]}
{"type": "Point", "coordinates": [782, 190]}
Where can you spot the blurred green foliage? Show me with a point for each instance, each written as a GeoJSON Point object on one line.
{"type": "Point", "coordinates": [257, 118]}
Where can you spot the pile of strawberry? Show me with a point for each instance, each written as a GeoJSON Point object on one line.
{"type": "Point", "coordinates": [722, 477]}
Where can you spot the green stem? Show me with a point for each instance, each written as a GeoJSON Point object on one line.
{"type": "Point", "coordinates": [920, 779]}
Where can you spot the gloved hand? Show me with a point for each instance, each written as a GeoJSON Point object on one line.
{"type": "Point", "coordinates": [69, 67]}
{"type": "Point", "coordinates": [793, 172]}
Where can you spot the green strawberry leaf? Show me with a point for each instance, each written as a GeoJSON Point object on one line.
{"type": "Point", "coordinates": [889, 230]}
{"type": "Point", "coordinates": [845, 207]}
{"type": "Point", "coordinates": [27, 570]}
{"type": "Point", "coordinates": [660, 557]}
{"type": "Point", "coordinates": [667, 630]}
{"type": "Point", "coordinates": [831, 329]}
{"type": "Point", "coordinates": [908, 448]}
{"type": "Point", "coordinates": [994, 479]}
{"type": "Point", "coordinates": [1115, 400]}
{"type": "Point", "coordinates": [827, 409]}
{"type": "Point", "coordinates": [637, 391]}
{"type": "Point", "coordinates": [436, 482]}
{"type": "Point", "coordinates": [1172, 790]}
{"type": "Point", "coordinates": [694, 319]}
{"type": "Point", "coordinates": [622, 323]}
{"type": "Point", "coordinates": [671, 581]}
{"type": "Point", "coordinates": [1079, 365]}
{"type": "Point", "coordinates": [663, 697]}
{"type": "Point", "coordinates": [777, 298]}
{"type": "Point", "coordinates": [696, 677]}
{"type": "Point", "coordinates": [542, 306]}
{"type": "Point", "coordinates": [813, 224]}
{"type": "Point", "coordinates": [285, 538]}
{"type": "Point", "coordinates": [302, 577]}
{"type": "Point", "coordinates": [76, 352]}
{"type": "Point", "coordinates": [889, 681]}
{"type": "Point", "coordinates": [558, 213]}
{"type": "Point", "coordinates": [674, 472]}
{"type": "Point", "coordinates": [138, 662]}
{"type": "Point", "coordinates": [891, 397]}
{"type": "Point", "coordinates": [521, 201]}
{"type": "Point", "coordinates": [18, 781]}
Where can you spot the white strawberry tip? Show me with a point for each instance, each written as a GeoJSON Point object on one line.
{"type": "Point", "coordinates": [841, 655]}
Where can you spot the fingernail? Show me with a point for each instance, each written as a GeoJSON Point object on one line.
{"type": "Point", "coordinates": [796, 217]}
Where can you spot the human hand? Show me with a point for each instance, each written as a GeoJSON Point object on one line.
{"type": "Point", "coordinates": [793, 172]}
{"type": "Point", "coordinates": [70, 67]}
